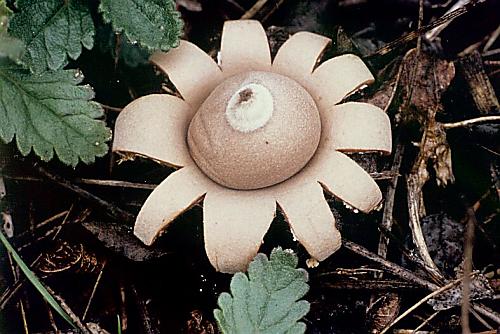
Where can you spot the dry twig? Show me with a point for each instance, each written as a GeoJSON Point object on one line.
{"type": "Point", "coordinates": [472, 121]}
{"type": "Point", "coordinates": [112, 210]}
{"type": "Point", "coordinates": [421, 301]}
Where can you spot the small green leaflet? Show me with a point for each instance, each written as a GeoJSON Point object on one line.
{"type": "Point", "coordinates": [267, 300]}
{"type": "Point", "coordinates": [52, 30]}
{"type": "Point", "coordinates": [153, 24]}
{"type": "Point", "coordinates": [51, 112]}
{"type": "Point", "coordinates": [9, 47]}
{"type": "Point", "coordinates": [35, 281]}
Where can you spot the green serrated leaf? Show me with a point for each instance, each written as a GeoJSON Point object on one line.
{"type": "Point", "coordinates": [153, 24]}
{"type": "Point", "coordinates": [267, 300]}
{"type": "Point", "coordinates": [52, 30]}
{"type": "Point", "coordinates": [51, 112]}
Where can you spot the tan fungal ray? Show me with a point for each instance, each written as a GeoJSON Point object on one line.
{"type": "Point", "coordinates": [336, 78]}
{"type": "Point", "coordinates": [155, 126]}
{"type": "Point", "coordinates": [194, 73]}
{"type": "Point", "coordinates": [244, 47]}
{"type": "Point", "coordinates": [235, 223]}
{"type": "Point", "coordinates": [176, 194]}
{"type": "Point", "coordinates": [297, 57]}
{"type": "Point", "coordinates": [345, 179]}
{"type": "Point", "coordinates": [357, 127]}
{"type": "Point", "coordinates": [309, 217]}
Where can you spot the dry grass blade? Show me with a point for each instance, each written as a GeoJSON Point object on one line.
{"type": "Point", "coordinates": [35, 281]}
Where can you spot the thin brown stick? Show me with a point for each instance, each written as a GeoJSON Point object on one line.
{"type": "Point", "coordinates": [487, 312]}
{"type": "Point", "coordinates": [480, 319]}
{"type": "Point", "coordinates": [262, 9]}
{"type": "Point", "coordinates": [117, 183]}
{"type": "Point", "coordinates": [43, 223]}
{"type": "Point", "coordinates": [76, 320]}
{"type": "Point", "coordinates": [254, 10]}
{"type": "Point", "coordinates": [10, 292]}
{"type": "Point", "coordinates": [123, 306]}
{"type": "Point", "coordinates": [416, 228]}
{"type": "Point", "coordinates": [96, 284]}
{"type": "Point", "coordinates": [421, 301]}
{"type": "Point", "coordinates": [112, 210]}
{"type": "Point", "coordinates": [468, 247]}
{"type": "Point", "coordinates": [148, 324]}
{"type": "Point", "coordinates": [387, 218]}
{"type": "Point", "coordinates": [493, 37]}
{"type": "Point", "coordinates": [20, 302]}
{"type": "Point", "coordinates": [370, 285]}
{"type": "Point", "coordinates": [97, 182]}
{"type": "Point", "coordinates": [105, 106]}
{"type": "Point", "coordinates": [414, 34]}
{"type": "Point", "coordinates": [491, 53]}
{"type": "Point", "coordinates": [51, 319]}
{"type": "Point", "coordinates": [425, 322]}
{"type": "Point", "coordinates": [468, 122]}
{"type": "Point", "coordinates": [389, 266]}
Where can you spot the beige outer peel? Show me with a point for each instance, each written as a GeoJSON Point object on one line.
{"type": "Point", "coordinates": [244, 47]}
{"type": "Point", "coordinates": [177, 193]}
{"type": "Point", "coordinates": [203, 132]}
{"type": "Point", "coordinates": [194, 73]}
{"type": "Point", "coordinates": [298, 56]}
{"type": "Point", "coordinates": [336, 78]}
{"type": "Point", "coordinates": [310, 218]}
{"type": "Point", "coordinates": [346, 180]}
{"type": "Point", "coordinates": [358, 127]}
{"type": "Point", "coordinates": [154, 126]}
{"type": "Point", "coordinates": [235, 223]}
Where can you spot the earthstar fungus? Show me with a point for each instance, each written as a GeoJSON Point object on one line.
{"type": "Point", "coordinates": [251, 133]}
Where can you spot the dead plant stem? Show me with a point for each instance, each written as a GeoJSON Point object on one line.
{"type": "Point", "coordinates": [472, 121]}
{"type": "Point", "coordinates": [387, 219]}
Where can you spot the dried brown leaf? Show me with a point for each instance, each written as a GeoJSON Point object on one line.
{"type": "Point", "coordinates": [383, 311]}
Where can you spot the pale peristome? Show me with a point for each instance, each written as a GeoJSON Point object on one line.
{"type": "Point", "coordinates": [244, 47]}
{"type": "Point", "coordinates": [193, 72]}
{"type": "Point", "coordinates": [357, 127]}
{"type": "Point", "coordinates": [336, 78]}
{"type": "Point", "coordinates": [155, 126]}
{"type": "Point", "coordinates": [298, 56]}
{"type": "Point", "coordinates": [234, 224]}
